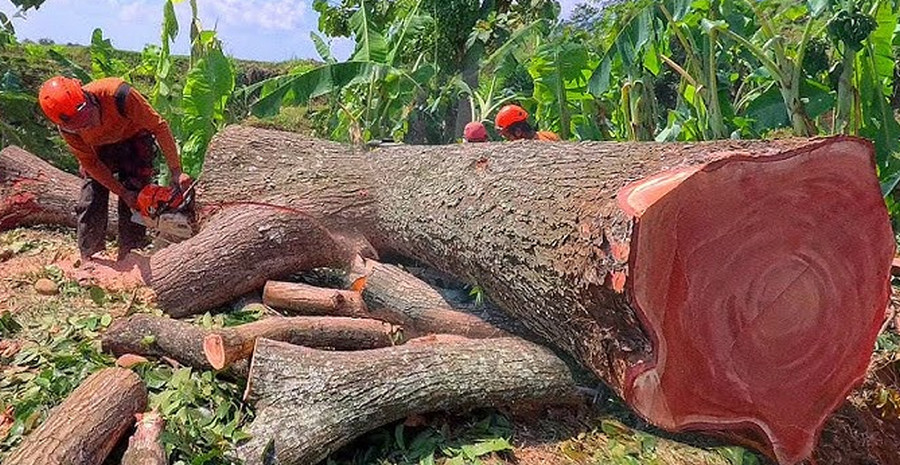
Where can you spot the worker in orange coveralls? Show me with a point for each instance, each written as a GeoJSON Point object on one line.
{"type": "Point", "coordinates": [512, 123]}
{"type": "Point", "coordinates": [113, 132]}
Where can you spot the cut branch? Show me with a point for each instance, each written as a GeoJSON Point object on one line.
{"type": "Point", "coordinates": [309, 402]}
{"type": "Point", "coordinates": [397, 296]}
{"type": "Point", "coordinates": [145, 446]}
{"type": "Point", "coordinates": [280, 241]}
{"type": "Point", "coordinates": [304, 299]}
{"type": "Point", "coordinates": [154, 336]}
{"type": "Point", "coordinates": [88, 424]}
{"type": "Point", "coordinates": [226, 346]}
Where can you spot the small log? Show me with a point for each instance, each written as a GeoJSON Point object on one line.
{"type": "Point", "coordinates": [311, 300]}
{"type": "Point", "coordinates": [280, 240]}
{"type": "Point", "coordinates": [397, 296]}
{"type": "Point", "coordinates": [153, 336]}
{"type": "Point", "coordinates": [226, 346]}
{"type": "Point", "coordinates": [145, 447]}
{"type": "Point", "coordinates": [88, 424]}
{"type": "Point", "coordinates": [309, 402]}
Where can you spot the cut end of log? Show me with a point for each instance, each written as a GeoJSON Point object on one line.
{"type": "Point", "coordinates": [743, 271]}
{"type": "Point", "coordinates": [359, 284]}
{"type": "Point", "coordinates": [130, 360]}
{"type": "Point", "coordinates": [214, 348]}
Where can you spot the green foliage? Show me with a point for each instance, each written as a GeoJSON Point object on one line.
{"type": "Point", "coordinates": [402, 445]}
{"type": "Point", "coordinates": [8, 324]}
{"type": "Point", "coordinates": [20, 123]}
{"type": "Point", "coordinates": [196, 108]}
{"type": "Point", "coordinates": [103, 59]}
{"type": "Point", "coordinates": [374, 95]}
{"type": "Point", "coordinates": [888, 342]}
{"type": "Point", "coordinates": [561, 71]}
{"type": "Point", "coordinates": [203, 415]}
{"type": "Point", "coordinates": [739, 456]}
{"type": "Point", "coordinates": [43, 373]}
{"type": "Point", "coordinates": [851, 26]}
{"type": "Point", "coordinates": [477, 295]}
{"type": "Point", "coordinates": [209, 85]}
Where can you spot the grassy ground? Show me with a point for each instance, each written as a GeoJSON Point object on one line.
{"type": "Point", "coordinates": [49, 344]}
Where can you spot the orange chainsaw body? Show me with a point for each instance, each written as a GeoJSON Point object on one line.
{"type": "Point", "coordinates": [168, 211]}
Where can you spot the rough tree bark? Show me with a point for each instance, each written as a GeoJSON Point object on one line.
{"type": "Point", "coordinates": [145, 446]}
{"type": "Point", "coordinates": [228, 345]}
{"type": "Point", "coordinates": [33, 192]}
{"type": "Point", "coordinates": [394, 295]}
{"type": "Point", "coordinates": [155, 336]}
{"type": "Point", "coordinates": [262, 243]}
{"type": "Point", "coordinates": [88, 424]}
{"type": "Point", "coordinates": [656, 265]}
{"type": "Point", "coordinates": [217, 349]}
{"type": "Point", "coordinates": [304, 299]}
{"type": "Point", "coordinates": [309, 402]}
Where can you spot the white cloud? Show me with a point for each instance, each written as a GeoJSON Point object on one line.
{"type": "Point", "coordinates": [139, 12]}
{"type": "Point", "coordinates": [269, 15]}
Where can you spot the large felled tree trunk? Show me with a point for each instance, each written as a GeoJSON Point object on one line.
{"type": "Point", "coordinates": [689, 277]}
{"type": "Point", "coordinates": [88, 424]}
{"type": "Point", "coordinates": [700, 281]}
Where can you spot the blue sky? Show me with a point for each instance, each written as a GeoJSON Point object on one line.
{"type": "Point", "coordinates": [268, 30]}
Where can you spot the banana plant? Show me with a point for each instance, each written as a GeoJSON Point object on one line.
{"type": "Point", "coordinates": [484, 103]}
{"type": "Point", "coordinates": [562, 70]}
{"type": "Point", "coordinates": [694, 32]}
{"type": "Point", "coordinates": [875, 74]}
{"type": "Point", "coordinates": [376, 88]}
{"type": "Point", "coordinates": [769, 48]}
{"type": "Point", "coordinates": [209, 85]}
{"type": "Point", "coordinates": [632, 56]}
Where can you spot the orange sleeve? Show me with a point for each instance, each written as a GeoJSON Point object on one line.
{"type": "Point", "coordinates": [91, 164]}
{"type": "Point", "coordinates": [142, 114]}
{"type": "Point", "coordinates": [547, 136]}
{"type": "Point", "coordinates": [78, 146]}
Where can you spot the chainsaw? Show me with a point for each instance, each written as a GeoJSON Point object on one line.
{"type": "Point", "coordinates": [167, 211]}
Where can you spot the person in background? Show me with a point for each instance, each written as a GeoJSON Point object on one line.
{"type": "Point", "coordinates": [512, 124]}
{"type": "Point", "coordinates": [475, 132]}
{"type": "Point", "coordinates": [113, 132]}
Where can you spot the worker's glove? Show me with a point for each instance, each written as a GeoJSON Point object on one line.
{"type": "Point", "coordinates": [179, 181]}
{"type": "Point", "coordinates": [184, 181]}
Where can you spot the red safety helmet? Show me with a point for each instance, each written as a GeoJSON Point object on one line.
{"type": "Point", "coordinates": [61, 98]}
{"type": "Point", "coordinates": [509, 115]}
{"type": "Point", "coordinates": [475, 132]}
